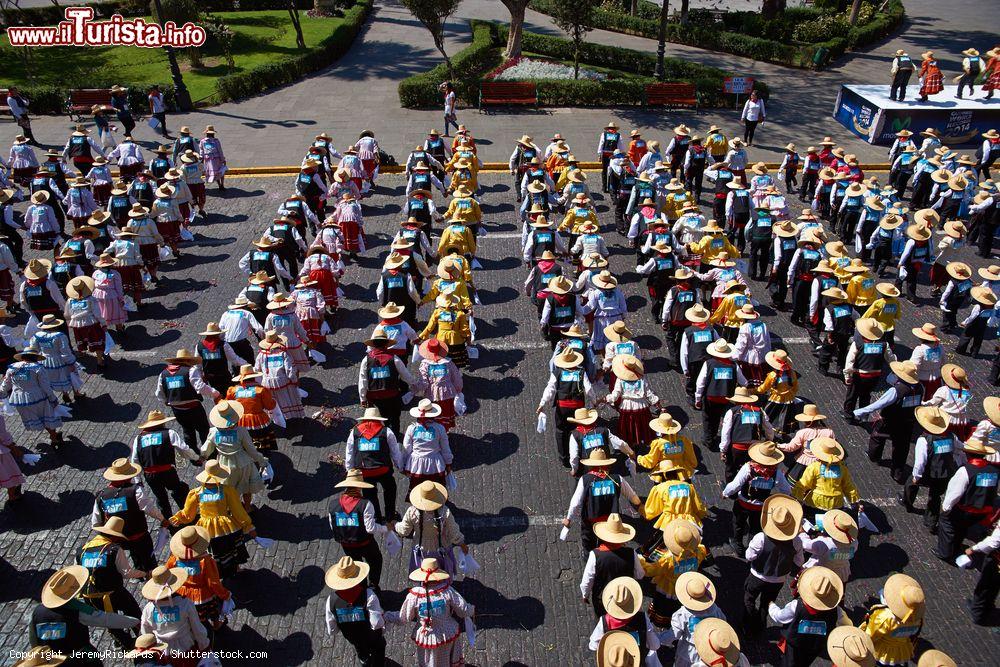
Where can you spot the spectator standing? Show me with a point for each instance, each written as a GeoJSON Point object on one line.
{"type": "Point", "coordinates": [752, 116]}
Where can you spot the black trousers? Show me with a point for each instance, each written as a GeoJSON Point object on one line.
{"type": "Point", "coordinates": [371, 649]}
{"type": "Point", "coordinates": [371, 554]}
{"type": "Point", "coordinates": [966, 80]}
{"type": "Point", "coordinates": [390, 408]}
{"type": "Point", "coordinates": [798, 656]}
{"type": "Point", "coordinates": [713, 417]}
{"type": "Point", "coordinates": [835, 350]}
{"type": "Point", "coordinates": [140, 552]}
{"type": "Point", "coordinates": [859, 392]}
{"type": "Point", "coordinates": [986, 239]}
{"type": "Point", "coordinates": [808, 188]}
{"type": "Point", "coordinates": [244, 350]}
{"type": "Point", "coordinates": [898, 432]}
{"type": "Point", "coordinates": [899, 81]}
{"type": "Point", "coordinates": [194, 425]}
{"type": "Point", "coordinates": [693, 180]}
{"type": "Point", "coordinates": [128, 123]}
{"type": "Point", "coordinates": [563, 431]}
{"type": "Point", "coordinates": [791, 179]}
{"type": "Point", "coordinates": [911, 281]}
{"type": "Point", "coordinates": [935, 492]}
{"type": "Point", "coordinates": [388, 483]}
{"type": "Point", "coordinates": [735, 458]}
{"type": "Point", "coordinates": [757, 595]}
{"type": "Point", "coordinates": [746, 524]}
{"type": "Point", "coordinates": [165, 484]}
{"type": "Point", "coordinates": [691, 379]}
{"type": "Point", "coordinates": [881, 258]}
{"type": "Point", "coordinates": [674, 335]}
{"type": "Point", "coordinates": [995, 370]}
{"type": "Point", "coordinates": [588, 540]}
{"type": "Point", "coordinates": [749, 127]}
{"type": "Point", "coordinates": [952, 528]}
{"type": "Point", "coordinates": [984, 595]}
{"type": "Point", "coordinates": [605, 159]}
{"type": "Point", "coordinates": [760, 254]}
{"type": "Point", "coordinates": [122, 602]}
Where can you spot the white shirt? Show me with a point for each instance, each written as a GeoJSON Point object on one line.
{"type": "Point", "coordinates": [627, 496]}
{"type": "Point", "coordinates": [146, 503]}
{"type": "Point", "coordinates": [157, 102]}
{"type": "Point", "coordinates": [375, 614]}
{"type": "Point", "coordinates": [956, 489]}
{"type": "Point", "coordinates": [176, 441]}
{"type": "Point", "coordinates": [990, 543]}
{"type": "Point", "coordinates": [699, 391]}
{"type": "Point", "coordinates": [590, 571]}
{"type": "Point", "coordinates": [754, 548]}
{"type": "Point", "coordinates": [753, 110]}
{"type": "Point", "coordinates": [922, 453]}
{"type": "Point", "coordinates": [781, 484]}
{"type": "Point", "coordinates": [237, 324]}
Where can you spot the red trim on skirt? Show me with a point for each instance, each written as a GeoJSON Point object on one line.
{"type": "Point", "coordinates": [633, 427]}
{"type": "Point", "coordinates": [42, 241]}
{"type": "Point", "coordinates": [327, 285]}
{"type": "Point", "coordinates": [939, 275]}
{"type": "Point", "coordinates": [313, 328]}
{"type": "Point", "coordinates": [369, 167]}
{"type": "Point", "coordinates": [930, 386]}
{"type": "Point", "coordinates": [447, 416]}
{"type": "Point", "coordinates": [961, 431]}
{"type": "Point", "coordinates": [89, 338]}
{"type": "Point", "coordinates": [755, 373]}
{"type": "Point", "coordinates": [150, 255]}
{"type": "Point", "coordinates": [131, 280]}
{"type": "Point", "coordinates": [170, 230]}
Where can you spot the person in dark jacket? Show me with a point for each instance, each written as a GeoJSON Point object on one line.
{"type": "Point", "coordinates": [608, 561]}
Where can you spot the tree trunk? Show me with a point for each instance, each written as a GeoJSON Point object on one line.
{"type": "Point", "coordinates": [685, 6]}
{"type": "Point", "coordinates": [516, 8]}
{"type": "Point", "coordinates": [771, 8]}
{"type": "Point", "coordinates": [576, 57]}
{"type": "Point", "coordinates": [634, 9]}
{"type": "Point", "coordinates": [439, 43]}
{"type": "Point", "coordinates": [855, 9]}
{"type": "Point", "coordinates": [661, 38]}
{"type": "Point", "coordinates": [293, 13]}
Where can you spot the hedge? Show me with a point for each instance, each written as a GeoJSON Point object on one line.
{"type": "Point", "coordinates": [746, 34]}
{"type": "Point", "coordinates": [52, 99]}
{"type": "Point", "coordinates": [51, 15]}
{"type": "Point", "coordinates": [259, 79]}
{"type": "Point", "coordinates": [484, 54]}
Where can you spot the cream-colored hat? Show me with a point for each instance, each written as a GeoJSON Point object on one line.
{"type": "Point", "coordinates": [428, 496]}
{"type": "Point", "coordinates": [613, 530]}
{"type": "Point", "coordinates": [850, 646]}
{"type": "Point", "coordinates": [781, 517]}
{"type": "Point", "coordinates": [695, 591]}
{"type": "Point", "coordinates": [622, 598]}
{"type": "Point", "coordinates": [346, 574]}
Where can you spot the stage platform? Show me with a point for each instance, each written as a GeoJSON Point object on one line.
{"type": "Point", "coordinates": [867, 111]}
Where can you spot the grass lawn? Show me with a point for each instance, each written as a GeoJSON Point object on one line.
{"type": "Point", "coordinates": [261, 37]}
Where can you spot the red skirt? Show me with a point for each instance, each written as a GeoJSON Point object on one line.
{"type": "Point", "coordinates": [102, 192]}
{"type": "Point", "coordinates": [326, 284]}
{"type": "Point", "coordinates": [930, 386]}
{"type": "Point", "coordinates": [369, 167]}
{"type": "Point", "coordinates": [43, 241]}
{"type": "Point", "coordinates": [447, 416]}
{"type": "Point", "coordinates": [89, 338]}
{"type": "Point", "coordinates": [150, 255]}
{"type": "Point", "coordinates": [131, 280]}
{"type": "Point", "coordinates": [755, 373]}
{"type": "Point", "coordinates": [170, 230]}
{"type": "Point", "coordinates": [939, 275]}
{"type": "Point", "coordinates": [22, 175]}
{"type": "Point", "coordinates": [933, 83]}
{"type": "Point", "coordinates": [992, 83]}
{"type": "Point", "coordinates": [633, 428]}
{"type": "Point", "coordinates": [130, 170]}
{"type": "Point", "coordinates": [185, 209]}
{"type": "Point", "coordinates": [313, 328]}
{"type": "Point", "coordinates": [197, 193]}
{"type": "Point", "coordinates": [351, 232]}
{"type": "Point", "coordinates": [6, 286]}
{"type": "Point", "coordinates": [358, 182]}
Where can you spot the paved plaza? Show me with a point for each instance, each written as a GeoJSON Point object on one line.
{"type": "Point", "coordinates": [512, 492]}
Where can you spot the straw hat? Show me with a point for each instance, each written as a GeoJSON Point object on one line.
{"type": "Point", "coordinates": [778, 360]}
{"type": "Point", "coordinates": [80, 287]}
{"type": "Point", "coordinates": [820, 588]}
{"type": "Point", "coordinates": [568, 358]}
{"type": "Point", "coordinates": [40, 197]}
{"type": "Point", "coordinates": [810, 413]}
{"type": "Point", "coordinates": [905, 598]}
{"type": "Point", "coordinates": [869, 328]}
{"type": "Point", "coordinates": [598, 459]}
{"type": "Point", "coordinates": [695, 591]}
{"type": "Point", "coordinates": [716, 643]}
{"type": "Point", "coordinates": [976, 446]}
{"type": "Point", "coordinates": [766, 453]}
{"type": "Point", "coordinates": [226, 414]}
{"type": "Point", "coordinates": [165, 191]}
{"type": "Point", "coordinates": [840, 526]}
{"type": "Point", "coordinates": [933, 419]}
{"type": "Point", "coordinates": [273, 339]}
{"type": "Point", "coordinates": [613, 530]}
{"type": "Point", "coordinates": [959, 270]}
{"type": "Point", "coordinates": [736, 143]}
{"type": "Point", "coordinates": [697, 314]}
{"type": "Point", "coordinates": [759, 168]}
{"type": "Point", "coordinates": [720, 349]}
{"type": "Point", "coordinates": [747, 312]}
{"type": "Point", "coordinates": [113, 527]}
{"type": "Point", "coordinates": [712, 227]}
{"type": "Point", "coordinates": [247, 372]}
{"type": "Point", "coordinates": [850, 646]}
{"type": "Point", "coordinates": [984, 295]}
{"type": "Point", "coordinates": [429, 572]}
{"type": "Point", "coordinates": [353, 480]}
{"type": "Point", "coordinates": [935, 658]}
{"type": "Point", "coordinates": [121, 470]}
{"type": "Point", "coordinates": [827, 450]}
{"type": "Point", "coordinates": [682, 273]}
{"type": "Point", "coordinates": [155, 418]}
{"type": "Point", "coordinates": [742, 394]}
{"type": "Point", "coordinates": [390, 310]}
{"type": "Point", "coordinates": [991, 405]}
{"type": "Point", "coordinates": [905, 371]}
{"type": "Point", "coordinates": [604, 280]}
{"type": "Point", "coordinates": [618, 648]}
{"type": "Point", "coordinates": [584, 416]}
{"type": "Point", "coordinates": [425, 409]}
{"type": "Point", "coordinates": [44, 656]}
{"type": "Point", "coordinates": [138, 211]}
{"type": "Point", "coordinates": [681, 537]}
{"type": "Point", "coordinates": [940, 176]}
{"type": "Point", "coordinates": [64, 585]}
{"type": "Point", "coordinates": [622, 598]}
{"type": "Point", "coordinates": [428, 496]}
{"type": "Point", "coordinates": [954, 376]}
{"type": "Point", "coordinates": [189, 543]}
{"type": "Point", "coordinates": [213, 473]}
{"type": "Point", "coordinates": [990, 273]}
{"type": "Point", "coordinates": [164, 582]}
{"type": "Point", "coordinates": [575, 331]}
{"type": "Point", "coordinates": [665, 424]}
{"type": "Point", "coordinates": [785, 229]}
{"type": "Point", "coordinates": [887, 290]}
{"type": "Point", "coordinates": [781, 517]}
{"type": "Point", "coordinates": [37, 269]}
{"type": "Point", "coordinates": [50, 322]}
{"type": "Point", "coordinates": [346, 574]}
{"type": "Point", "coordinates": [560, 285]}
{"type": "Point", "coordinates": [29, 353]}
{"type": "Point", "coordinates": [627, 367]}
{"type": "Point", "coordinates": [446, 301]}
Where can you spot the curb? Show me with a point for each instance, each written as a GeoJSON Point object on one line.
{"type": "Point", "coordinates": [487, 168]}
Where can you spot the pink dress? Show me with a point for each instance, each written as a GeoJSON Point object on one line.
{"type": "Point", "coordinates": [110, 296]}
{"type": "Point", "coordinates": [310, 307]}
{"type": "Point", "coordinates": [210, 149]}
{"type": "Point", "coordinates": [10, 473]}
{"type": "Point", "coordinates": [280, 377]}
{"type": "Point", "coordinates": [287, 323]}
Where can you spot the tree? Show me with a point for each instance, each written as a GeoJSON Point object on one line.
{"type": "Point", "coordinates": [293, 13]}
{"type": "Point", "coordinates": [685, 6]}
{"type": "Point", "coordinates": [771, 8]}
{"type": "Point", "coordinates": [855, 9]}
{"type": "Point", "coordinates": [661, 39]}
{"type": "Point", "coordinates": [516, 9]}
{"type": "Point", "coordinates": [576, 19]}
{"type": "Point", "coordinates": [433, 14]}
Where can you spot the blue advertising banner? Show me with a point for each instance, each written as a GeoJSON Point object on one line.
{"type": "Point", "coordinates": [855, 113]}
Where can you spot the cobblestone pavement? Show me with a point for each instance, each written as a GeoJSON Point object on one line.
{"type": "Point", "coordinates": [511, 493]}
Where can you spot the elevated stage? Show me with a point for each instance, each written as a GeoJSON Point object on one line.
{"type": "Point", "coordinates": [867, 111]}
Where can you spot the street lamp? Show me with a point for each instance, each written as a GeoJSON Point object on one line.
{"type": "Point", "coordinates": [181, 93]}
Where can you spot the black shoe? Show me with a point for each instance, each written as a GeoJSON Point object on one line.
{"type": "Point", "coordinates": [902, 501]}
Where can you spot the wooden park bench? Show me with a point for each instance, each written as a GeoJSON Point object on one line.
{"type": "Point", "coordinates": [507, 92]}
{"type": "Point", "coordinates": [81, 100]}
{"type": "Point", "coordinates": [671, 95]}
{"type": "Point", "coordinates": [4, 109]}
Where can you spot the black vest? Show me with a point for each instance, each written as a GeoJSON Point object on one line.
{"type": "Point", "coordinates": [213, 363]}
{"type": "Point", "coordinates": [38, 299]}
{"type": "Point", "coordinates": [683, 299]}
{"type": "Point", "coordinates": [698, 340]}
{"type": "Point", "coordinates": [184, 143]}
{"type": "Point", "coordinates": [394, 288]}
{"type": "Point", "coordinates": [958, 298]}
{"type": "Point", "coordinates": [42, 184]}
{"type": "Point", "coordinates": [748, 424]}
{"type": "Point", "coordinates": [808, 259]}
{"type": "Point", "coordinates": [871, 357]}
{"type": "Point", "coordinates": [908, 398]}
{"type": "Point", "coordinates": [352, 619]}
{"type": "Point", "coordinates": [561, 315]}
{"type": "Point", "coordinates": [372, 452]}
{"type": "Point", "coordinates": [542, 278]}
{"type": "Point", "coordinates": [176, 387]}
{"type": "Point", "coordinates": [142, 191]}
{"type": "Point", "coordinates": [306, 186]}
{"type": "Point", "coordinates": [104, 574]}
{"type": "Point", "coordinates": [119, 206]}
{"type": "Point", "coordinates": [59, 629]}
{"type": "Point", "coordinates": [417, 207]}
{"type": "Point", "coordinates": [257, 295]}
{"type": "Point", "coordinates": [762, 227]}
{"type": "Point", "coordinates": [348, 526]}
{"type": "Point", "coordinates": [757, 488]}
{"type": "Point", "coordinates": [662, 275]}
{"type": "Point", "coordinates": [843, 318]}
{"type": "Point", "coordinates": [383, 377]}
{"type": "Point", "coordinates": [610, 141]}
{"type": "Point", "coordinates": [982, 488]}
{"type": "Point", "coordinates": [741, 203]}
{"type": "Point", "coordinates": [569, 384]}
{"type": "Point", "coordinates": [262, 260]}
{"type": "Point", "coordinates": [601, 495]}
{"type": "Point", "coordinates": [542, 240]}
{"type": "Point", "coordinates": [809, 629]}
{"type": "Point", "coordinates": [121, 501]}
{"type": "Point", "coordinates": [722, 181]}
{"type": "Point", "coordinates": [940, 457]}
{"type": "Point", "coordinates": [610, 564]}
{"type": "Point", "coordinates": [282, 231]}
{"type": "Point", "coordinates": [159, 167]}
{"type": "Point", "coordinates": [721, 377]}
{"type": "Point", "coordinates": [154, 448]}
{"type": "Point", "coordinates": [775, 559]}
{"type": "Point", "coordinates": [79, 147]}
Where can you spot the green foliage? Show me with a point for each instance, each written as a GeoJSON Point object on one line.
{"type": "Point", "coordinates": [222, 38]}
{"type": "Point", "coordinates": [420, 91]}
{"type": "Point", "coordinates": [178, 11]}
{"type": "Point", "coordinates": [576, 19]}
{"type": "Point", "coordinates": [261, 78]}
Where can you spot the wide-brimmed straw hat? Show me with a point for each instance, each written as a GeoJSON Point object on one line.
{"type": "Point", "coordinates": [984, 295]}
{"type": "Point", "coordinates": [346, 574]}
{"type": "Point", "coordinates": [810, 413]}
{"type": "Point", "coordinates": [622, 598]}
{"type": "Point", "coordinates": [584, 416]}
{"type": "Point", "coordinates": [37, 269]}
{"type": "Point", "coordinates": [155, 418]}
{"type": "Point", "coordinates": [433, 349]}
{"type": "Point", "coordinates": [44, 656]}
{"type": "Point", "coordinates": [887, 290]}
{"type": "Point", "coordinates": [604, 280]}
{"type": "Point", "coordinates": [826, 450]}
{"type": "Point", "coordinates": [113, 527]}
{"type": "Point", "coordinates": [613, 530]}
{"type": "Point", "coordinates": [697, 314]}
{"type": "Point", "coordinates": [50, 322]}
{"type": "Point", "coordinates": [428, 496]}
{"type": "Point", "coordinates": [743, 395]}
{"type": "Point", "coordinates": [720, 349]}
{"type": "Point", "coordinates": [869, 328]}
{"type": "Point", "coordinates": [990, 273]}
{"type": "Point", "coordinates": [618, 648]}
{"type": "Point", "coordinates": [354, 480]}
{"type": "Point", "coordinates": [64, 585]}
{"type": "Point", "coordinates": [575, 330]}
{"type": "Point", "coordinates": [766, 453]}
{"type": "Point", "coordinates": [665, 424]}
{"type": "Point", "coordinates": [598, 459]}
{"type": "Point", "coordinates": [568, 358]}
{"type": "Point", "coordinates": [164, 582]}
{"type": "Point", "coordinates": [781, 517]}
{"type": "Point", "coordinates": [184, 357]}
{"type": "Point", "coordinates": [991, 406]}
{"type": "Point", "coordinates": [121, 470]}
{"type": "Point", "coordinates": [935, 658]}
{"type": "Point", "coordinates": [905, 598]}
{"type": "Point", "coordinates": [189, 543]}
{"type": "Point", "coordinates": [933, 419]}
{"type": "Point", "coordinates": [226, 414]}
{"type": "Point", "coordinates": [273, 339]}
{"type": "Point", "coordinates": [213, 473]}
{"type": "Point", "coordinates": [617, 332]}
{"type": "Point", "coordinates": [627, 367]}
{"type": "Point", "coordinates": [559, 285]}
{"type": "Point", "coordinates": [716, 643]}
{"type": "Point", "coordinates": [425, 409]}
{"type": "Point", "coordinates": [927, 332]}
{"type": "Point", "coordinates": [681, 537]}
{"type": "Point", "coordinates": [820, 588]}
{"type": "Point", "coordinates": [905, 371]}
{"type": "Point", "coordinates": [778, 360]}
{"type": "Point", "coordinates": [959, 270]}
{"type": "Point", "coordinates": [839, 525]}
{"type": "Point", "coordinates": [695, 591]}
{"type": "Point", "coordinates": [247, 372]}
{"type": "Point", "coordinates": [976, 446]}
{"type": "Point", "coordinates": [954, 376]}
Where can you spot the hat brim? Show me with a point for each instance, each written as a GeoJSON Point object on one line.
{"type": "Point", "coordinates": [338, 583]}
{"type": "Point", "coordinates": [198, 548]}
{"type": "Point", "coordinates": [154, 591]}
{"type": "Point", "coordinates": [113, 476]}
{"type": "Point", "coordinates": [604, 534]}
{"type": "Point", "coordinates": [429, 504]}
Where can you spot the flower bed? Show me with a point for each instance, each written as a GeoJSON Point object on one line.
{"type": "Point", "coordinates": [522, 68]}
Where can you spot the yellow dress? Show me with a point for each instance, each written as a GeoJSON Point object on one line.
{"type": "Point", "coordinates": [576, 217]}
{"type": "Point", "coordinates": [711, 246]}
{"type": "Point", "coordinates": [717, 145]}
{"type": "Point", "coordinates": [451, 327]}
{"type": "Point", "coordinates": [563, 179]}
{"type": "Point", "coordinates": [673, 203]}
{"type": "Point", "coordinates": [861, 290]}
{"type": "Point", "coordinates": [779, 387]}
{"type": "Point", "coordinates": [464, 209]}
{"type": "Point", "coordinates": [674, 448]}
{"type": "Point", "coordinates": [725, 313]}
{"type": "Point", "coordinates": [464, 177]}
{"type": "Point", "coordinates": [218, 509]}
{"type": "Point", "coordinates": [463, 263]}
{"type": "Point", "coordinates": [894, 642]}
{"type": "Point", "coordinates": [663, 567]}
{"type": "Point", "coordinates": [456, 287]}
{"type": "Point", "coordinates": [458, 236]}
{"type": "Point", "coordinates": [825, 486]}
{"type": "Point", "coordinates": [885, 311]}
{"type": "Point", "coordinates": [673, 500]}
